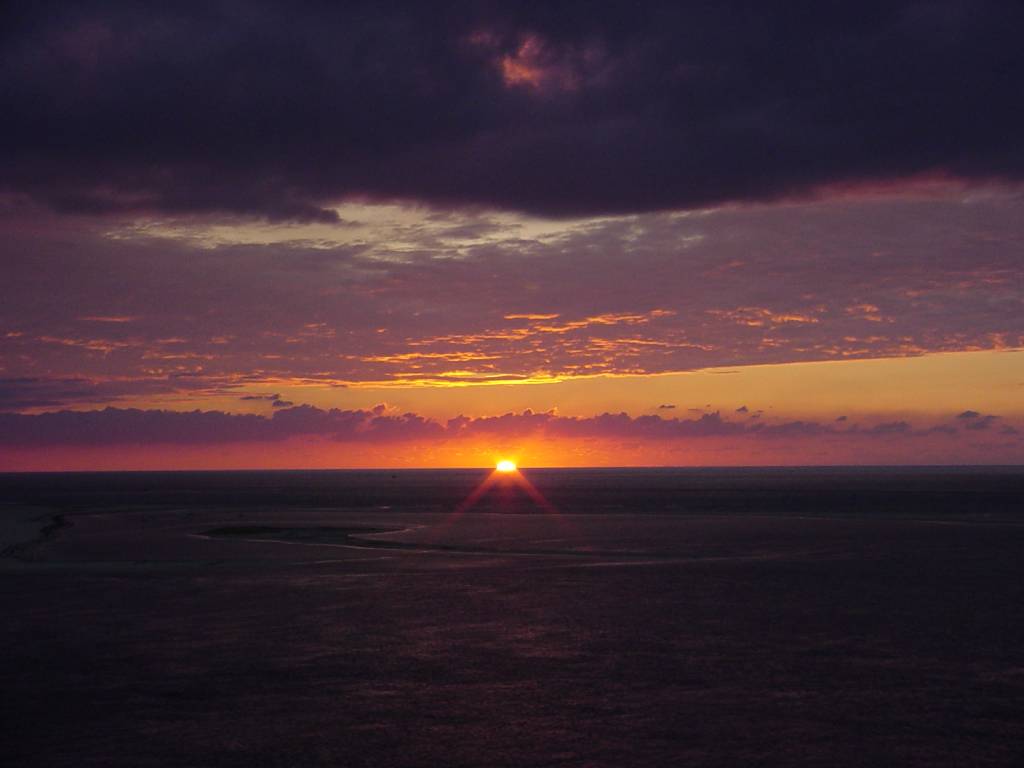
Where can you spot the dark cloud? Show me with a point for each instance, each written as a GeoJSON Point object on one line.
{"type": "Point", "coordinates": [33, 392]}
{"type": "Point", "coordinates": [941, 429]}
{"type": "Point", "coordinates": [742, 409]}
{"type": "Point", "coordinates": [28, 392]}
{"type": "Point", "coordinates": [274, 398]}
{"type": "Point", "coordinates": [791, 429]}
{"type": "Point", "coordinates": [976, 421]}
{"type": "Point", "coordinates": [981, 423]}
{"type": "Point", "coordinates": [666, 407]}
{"type": "Point", "coordinates": [278, 109]}
{"type": "Point", "coordinates": [890, 428]}
{"type": "Point", "coordinates": [113, 426]}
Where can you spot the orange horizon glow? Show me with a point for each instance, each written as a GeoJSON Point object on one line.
{"type": "Point", "coordinates": [918, 387]}
{"type": "Point", "coordinates": [853, 396]}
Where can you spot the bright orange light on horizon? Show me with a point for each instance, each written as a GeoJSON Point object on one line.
{"type": "Point", "coordinates": [505, 466]}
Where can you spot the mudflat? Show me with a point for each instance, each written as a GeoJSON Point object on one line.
{"type": "Point", "coordinates": [849, 617]}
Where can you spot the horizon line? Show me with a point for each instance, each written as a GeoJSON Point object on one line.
{"type": "Point", "coordinates": [703, 467]}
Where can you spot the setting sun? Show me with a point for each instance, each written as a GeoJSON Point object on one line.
{"type": "Point", "coordinates": [506, 466]}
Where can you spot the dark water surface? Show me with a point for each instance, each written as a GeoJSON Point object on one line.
{"type": "Point", "coordinates": [633, 618]}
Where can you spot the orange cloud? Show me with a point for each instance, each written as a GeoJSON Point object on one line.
{"type": "Point", "coordinates": [533, 65]}
{"type": "Point", "coordinates": [758, 317]}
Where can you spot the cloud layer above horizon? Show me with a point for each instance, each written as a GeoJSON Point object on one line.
{"type": "Point", "coordinates": [125, 427]}
{"type": "Point", "coordinates": [134, 439]}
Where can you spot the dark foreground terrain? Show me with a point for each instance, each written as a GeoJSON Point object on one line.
{"type": "Point", "coordinates": [638, 618]}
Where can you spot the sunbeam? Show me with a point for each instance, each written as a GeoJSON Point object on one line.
{"type": "Point", "coordinates": [506, 470]}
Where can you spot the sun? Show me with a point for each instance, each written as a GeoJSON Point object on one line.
{"type": "Point", "coordinates": [506, 466]}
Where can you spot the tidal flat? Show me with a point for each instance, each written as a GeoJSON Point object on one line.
{"type": "Point", "coordinates": [840, 617]}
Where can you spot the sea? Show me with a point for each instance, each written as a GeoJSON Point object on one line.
{"type": "Point", "coordinates": [546, 617]}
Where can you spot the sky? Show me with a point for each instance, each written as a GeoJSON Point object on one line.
{"type": "Point", "coordinates": [262, 234]}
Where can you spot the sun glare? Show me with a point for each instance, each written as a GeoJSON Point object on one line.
{"type": "Point", "coordinates": [506, 466]}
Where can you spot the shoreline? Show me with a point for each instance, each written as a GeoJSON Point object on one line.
{"type": "Point", "coordinates": [20, 534]}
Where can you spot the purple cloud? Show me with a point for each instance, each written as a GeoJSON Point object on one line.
{"type": "Point", "coordinates": [113, 426]}
{"type": "Point", "coordinates": [941, 274]}
{"type": "Point", "coordinates": [280, 110]}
